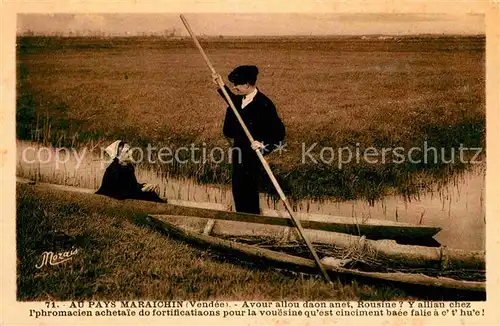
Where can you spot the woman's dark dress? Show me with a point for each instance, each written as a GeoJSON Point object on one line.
{"type": "Point", "coordinates": [119, 182]}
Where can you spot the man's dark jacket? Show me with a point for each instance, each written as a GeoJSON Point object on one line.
{"type": "Point", "coordinates": [261, 119]}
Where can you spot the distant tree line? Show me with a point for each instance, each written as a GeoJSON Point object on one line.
{"type": "Point", "coordinates": [166, 33]}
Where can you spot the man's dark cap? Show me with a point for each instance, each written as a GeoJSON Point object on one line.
{"type": "Point", "coordinates": [244, 74]}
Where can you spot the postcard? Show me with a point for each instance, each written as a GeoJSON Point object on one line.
{"type": "Point", "coordinates": [243, 163]}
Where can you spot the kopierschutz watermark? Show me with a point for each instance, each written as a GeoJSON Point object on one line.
{"type": "Point", "coordinates": [309, 154]}
{"type": "Point", "coordinates": [314, 154]}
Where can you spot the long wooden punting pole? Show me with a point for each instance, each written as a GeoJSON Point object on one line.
{"type": "Point", "coordinates": [257, 151]}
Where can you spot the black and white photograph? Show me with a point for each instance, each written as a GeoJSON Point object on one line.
{"type": "Point", "coordinates": [231, 166]}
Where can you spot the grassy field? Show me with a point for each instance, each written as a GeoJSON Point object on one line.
{"type": "Point", "coordinates": [120, 257]}
{"type": "Point", "coordinates": [335, 92]}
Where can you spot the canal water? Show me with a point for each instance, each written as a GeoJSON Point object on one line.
{"type": "Point", "coordinates": [458, 207]}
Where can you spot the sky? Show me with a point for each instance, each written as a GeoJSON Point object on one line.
{"type": "Point", "coordinates": [234, 24]}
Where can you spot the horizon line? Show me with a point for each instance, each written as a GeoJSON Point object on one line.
{"type": "Point", "coordinates": [65, 34]}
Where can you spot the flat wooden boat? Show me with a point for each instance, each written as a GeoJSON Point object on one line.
{"type": "Point", "coordinates": [411, 256]}
{"type": "Point", "coordinates": [370, 228]}
{"type": "Point", "coordinates": [192, 232]}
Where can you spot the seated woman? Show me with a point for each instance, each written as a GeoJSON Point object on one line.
{"type": "Point", "coordinates": [119, 179]}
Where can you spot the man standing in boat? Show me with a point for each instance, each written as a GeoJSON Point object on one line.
{"type": "Point", "coordinates": [262, 120]}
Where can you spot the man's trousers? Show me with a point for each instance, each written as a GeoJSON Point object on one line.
{"type": "Point", "coordinates": [245, 184]}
